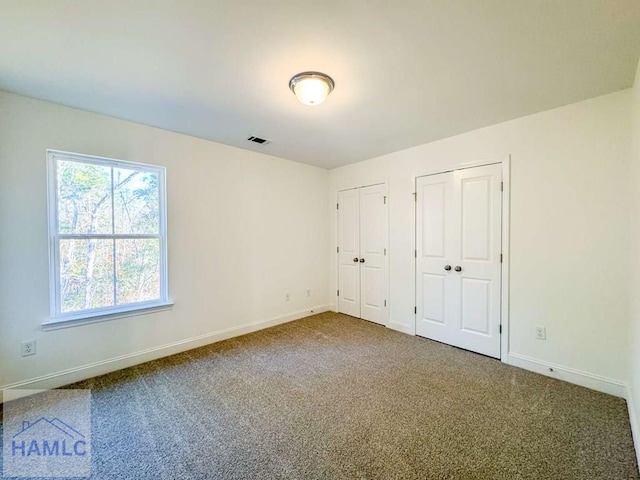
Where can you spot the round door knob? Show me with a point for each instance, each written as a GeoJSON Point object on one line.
{"type": "Point", "coordinates": [355, 259]}
{"type": "Point", "coordinates": [362, 260]}
{"type": "Point", "coordinates": [458, 268]}
{"type": "Point", "coordinates": [447, 267]}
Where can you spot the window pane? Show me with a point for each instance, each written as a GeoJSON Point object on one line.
{"type": "Point", "coordinates": [86, 274]}
{"type": "Point", "coordinates": [136, 201]}
{"type": "Point", "coordinates": [84, 198]}
{"type": "Point", "coordinates": [138, 270]}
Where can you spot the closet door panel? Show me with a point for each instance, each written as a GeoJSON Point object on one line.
{"type": "Point", "coordinates": [372, 253]}
{"type": "Point", "coordinates": [458, 267]}
{"type": "Point", "coordinates": [349, 252]}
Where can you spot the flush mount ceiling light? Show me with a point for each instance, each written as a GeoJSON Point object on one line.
{"type": "Point", "coordinates": [311, 88]}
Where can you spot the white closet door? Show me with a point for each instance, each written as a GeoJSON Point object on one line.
{"type": "Point", "coordinates": [458, 247]}
{"type": "Point", "coordinates": [349, 252]}
{"type": "Point", "coordinates": [372, 253]}
{"type": "Point", "coordinates": [435, 249]}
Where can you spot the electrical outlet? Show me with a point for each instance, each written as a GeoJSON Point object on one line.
{"type": "Point", "coordinates": [287, 297]}
{"type": "Point", "coordinates": [541, 333]}
{"type": "Point", "coordinates": [308, 293]}
{"type": "Point", "coordinates": [28, 348]}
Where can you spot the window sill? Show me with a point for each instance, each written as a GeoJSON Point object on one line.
{"type": "Point", "coordinates": [88, 318]}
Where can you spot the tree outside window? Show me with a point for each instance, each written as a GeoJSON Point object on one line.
{"type": "Point", "coordinates": [107, 227]}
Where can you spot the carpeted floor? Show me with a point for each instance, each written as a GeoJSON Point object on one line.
{"type": "Point", "coordinates": [332, 397]}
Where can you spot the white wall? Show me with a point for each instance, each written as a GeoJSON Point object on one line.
{"type": "Point", "coordinates": [569, 252]}
{"type": "Point", "coordinates": [244, 228]}
{"type": "Point", "coordinates": [634, 261]}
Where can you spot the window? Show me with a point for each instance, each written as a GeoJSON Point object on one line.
{"type": "Point", "coordinates": [107, 234]}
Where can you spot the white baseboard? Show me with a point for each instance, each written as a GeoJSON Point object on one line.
{"type": "Point", "coordinates": [616, 388]}
{"type": "Point", "coordinates": [76, 374]}
{"type": "Point", "coordinates": [401, 327]}
{"type": "Point", "coordinates": [633, 420]}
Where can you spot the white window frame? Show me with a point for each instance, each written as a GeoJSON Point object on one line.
{"type": "Point", "coordinates": [59, 319]}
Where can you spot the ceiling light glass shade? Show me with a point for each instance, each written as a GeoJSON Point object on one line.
{"type": "Point", "coordinates": [311, 88]}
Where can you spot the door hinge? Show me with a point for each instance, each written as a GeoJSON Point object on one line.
{"type": "Point", "coordinates": [337, 249]}
{"type": "Point", "coordinates": [415, 253]}
{"type": "Point", "coordinates": [500, 258]}
{"type": "Point", "coordinates": [385, 303]}
{"type": "Point", "coordinates": [415, 196]}
{"type": "Point", "coordinates": [337, 206]}
{"type": "Point", "coordinates": [338, 293]}
{"type": "Point", "coordinates": [415, 309]}
{"type": "Point", "coordinates": [385, 251]}
{"type": "Point", "coordinates": [385, 199]}
{"type": "Point", "coordinates": [500, 329]}
{"type": "Point", "coordinates": [502, 186]}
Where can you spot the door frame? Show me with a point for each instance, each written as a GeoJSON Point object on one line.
{"type": "Point", "coordinates": [505, 232]}
{"type": "Point", "coordinates": [386, 257]}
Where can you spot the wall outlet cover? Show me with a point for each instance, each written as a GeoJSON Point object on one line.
{"type": "Point", "coordinates": [28, 348]}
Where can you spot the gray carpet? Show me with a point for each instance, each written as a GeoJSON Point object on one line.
{"type": "Point", "coordinates": [332, 397]}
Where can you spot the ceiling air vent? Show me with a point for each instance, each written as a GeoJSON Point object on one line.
{"type": "Point", "coordinates": [258, 140]}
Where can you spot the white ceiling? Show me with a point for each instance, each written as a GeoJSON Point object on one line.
{"type": "Point", "coordinates": [406, 72]}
